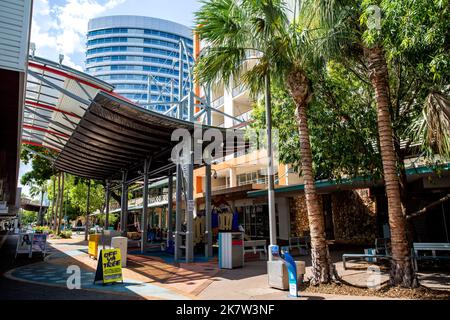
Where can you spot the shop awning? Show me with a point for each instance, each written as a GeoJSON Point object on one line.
{"type": "Point", "coordinates": [326, 186]}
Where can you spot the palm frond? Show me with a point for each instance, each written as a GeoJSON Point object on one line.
{"type": "Point", "coordinates": [432, 126]}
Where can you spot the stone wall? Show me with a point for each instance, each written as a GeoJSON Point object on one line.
{"type": "Point", "coordinates": [354, 217]}
{"type": "Point", "coordinates": [299, 216]}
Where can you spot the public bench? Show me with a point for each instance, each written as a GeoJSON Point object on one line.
{"type": "Point", "coordinates": [420, 250]}
{"type": "Point", "coordinates": [255, 246]}
{"type": "Point", "coordinates": [382, 251]}
{"type": "Point", "coordinates": [358, 256]}
{"type": "Point", "coordinates": [299, 243]}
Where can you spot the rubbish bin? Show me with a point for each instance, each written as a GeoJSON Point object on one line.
{"type": "Point", "coordinates": [231, 250]}
{"type": "Point", "coordinates": [94, 240]}
{"type": "Point", "coordinates": [278, 274]}
{"type": "Point", "coordinates": [122, 244]}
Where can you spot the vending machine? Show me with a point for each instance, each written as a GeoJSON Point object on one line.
{"type": "Point", "coordinates": [231, 250]}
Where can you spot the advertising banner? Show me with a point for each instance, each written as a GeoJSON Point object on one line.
{"type": "Point", "coordinates": [109, 267]}
{"type": "Point", "coordinates": [39, 243]}
{"type": "Point", "coordinates": [24, 244]}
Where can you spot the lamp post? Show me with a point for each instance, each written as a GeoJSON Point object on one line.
{"type": "Point", "coordinates": [271, 183]}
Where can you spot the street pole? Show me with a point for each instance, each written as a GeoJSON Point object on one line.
{"type": "Point", "coordinates": [271, 183]}
{"type": "Point", "coordinates": [88, 200]}
{"type": "Point", "coordinates": [170, 211]}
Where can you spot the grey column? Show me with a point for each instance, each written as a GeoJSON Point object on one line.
{"type": "Point", "coordinates": [124, 207]}
{"type": "Point", "coordinates": [144, 221]}
{"type": "Point", "coordinates": [86, 233]}
{"type": "Point", "coordinates": [189, 208]}
{"type": "Point", "coordinates": [107, 198]}
{"type": "Point", "coordinates": [180, 81]}
{"type": "Point", "coordinates": [179, 187]}
{"type": "Point", "coordinates": [169, 209]}
{"type": "Point", "coordinates": [208, 213]}
{"type": "Point", "coordinates": [271, 191]}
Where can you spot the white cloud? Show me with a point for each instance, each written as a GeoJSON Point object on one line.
{"type": "Point", "coordinates": [61, 29]}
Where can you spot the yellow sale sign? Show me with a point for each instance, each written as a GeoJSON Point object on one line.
{"type": "Point", "coordinates": [111, 261]}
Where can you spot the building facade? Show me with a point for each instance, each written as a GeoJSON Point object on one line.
{"type": "Point", "coordinates": [140, 57]}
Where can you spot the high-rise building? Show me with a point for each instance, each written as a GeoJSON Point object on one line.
{"type": "Point", "coordinates": [140, 57]}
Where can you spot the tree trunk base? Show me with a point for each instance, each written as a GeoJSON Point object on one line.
{"type": "Point", "coordinates": [403, 275]}
{"type": "Point", "coordinates": [323, 273]}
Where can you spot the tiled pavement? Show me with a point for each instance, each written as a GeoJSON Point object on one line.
{"type": "Point", "coordinates": [147, 277]}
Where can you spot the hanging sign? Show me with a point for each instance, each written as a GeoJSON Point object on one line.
{"type": "Point", "coordinates": [109, 267]}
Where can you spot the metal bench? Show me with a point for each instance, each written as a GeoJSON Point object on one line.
{"type": "Point", "coordinates": [255, 246]}
{"type": "Point", "coordinates": [299, 243]}
{"type": "Point", "coordinates": [382, 251]}
{"type": "Point", "coordinates": [357, 256]}
{"type": "Point", "coordinates": [430, 247]}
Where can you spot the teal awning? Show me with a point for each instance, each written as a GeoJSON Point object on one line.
{"type": "Point", "coordinates": [357, 182]}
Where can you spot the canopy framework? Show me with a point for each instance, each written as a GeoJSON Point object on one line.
{"type": "Point", "coordinates": [55, 99]}
{"type": "Point", "coordinates": [99, 135]}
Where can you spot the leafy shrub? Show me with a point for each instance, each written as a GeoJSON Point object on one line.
{"type": "Point", "coordinates": [43, 229]}
{"type": "Point", "coordinates": [65, 234]}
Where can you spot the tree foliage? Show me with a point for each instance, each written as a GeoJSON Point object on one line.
{"type": "Point", "coordinates": [41, 167]}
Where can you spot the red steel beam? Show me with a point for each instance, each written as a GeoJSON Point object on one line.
{"type": "Point", "coordinates": [27, 126]}
{"type": "Point", "coordinates": [47, 107]}
{"type": "Point", "coordinates": [64, 74]}
{"type": "Point", "coordinates": [32, 143]}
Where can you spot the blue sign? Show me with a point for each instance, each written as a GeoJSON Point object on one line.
{"type": "Point", "coordinates": [275, 251]}
{"type": "Point", "coordinates": [292, 274]}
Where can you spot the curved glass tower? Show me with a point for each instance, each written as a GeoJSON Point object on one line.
{"type": "Point", "coordinates": [140, 57]}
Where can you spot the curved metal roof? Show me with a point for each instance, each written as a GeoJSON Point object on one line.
{"type": "Point", "coordinates": [54, 94]}
{"type": "Point", "coordinates": [115, 135]}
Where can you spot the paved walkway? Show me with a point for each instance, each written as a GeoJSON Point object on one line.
{"type": "Point", "coordinates": [153, 278]}
{"type": "Point", "coordinates": [53, 272]}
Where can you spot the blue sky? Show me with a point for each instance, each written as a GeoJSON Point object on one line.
{"type": "Point", "coordinates": [60, 26]}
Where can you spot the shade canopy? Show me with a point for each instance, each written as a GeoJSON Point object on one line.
{"type": "Point", "coordinates": [116, 135]}
{"type": "Point", "coordinates": [55, 100]}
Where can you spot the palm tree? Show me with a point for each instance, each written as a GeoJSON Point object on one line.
{"type": "Point", "coordinates": [260, 31]}
{"type": "Point", "coordinates": [401, 272]}
{"type": "Point", "coordinates": [39, 190]}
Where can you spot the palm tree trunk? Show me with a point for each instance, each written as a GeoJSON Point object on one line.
{"type": "Point", "coordinates": [402, 272]}
{"type": "Point", "coordinates": [323, 269]}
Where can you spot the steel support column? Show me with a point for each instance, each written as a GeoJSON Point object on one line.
{"type": "Point", "coordinates": [170, 211]}
{"type": "Point", "coordinates": [180, 81]}
{"type": "Point", "coordinates": [124, 204]}
{"type": "Point", "coordinates": [144, 220]}
{"type": "Point", "coordinates": [88, 200]}
{"type": "Point", "coordinates": [179, 187]}
{"type": "Point", "coordinates": [190, 203]}
{"type": "Point", "coordinates": [107, 199]}
{"type": "Point", "coordinates": [208, 213]}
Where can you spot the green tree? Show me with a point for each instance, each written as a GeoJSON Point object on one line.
{"type": "Point", "coordinates": [41, 165]}
{"type": "Point", "coordinates": [259, 31]}
{"type": "Point", "coordinates": [77, 189]}
{"type": "Point", "coordinates": [29, 217]}
{"type": "Point", "coordinates": [342, 126]}
{"type": "Point", "coordinates": [409, 32]}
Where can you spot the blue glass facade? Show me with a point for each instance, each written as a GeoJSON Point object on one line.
{"type": "Point", "coordinates": [128, 50]}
